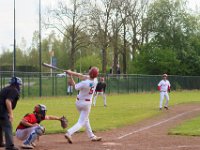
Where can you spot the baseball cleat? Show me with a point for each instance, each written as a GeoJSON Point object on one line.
{"type": "Point", "coordinates": [27, 146]}
{"type": "Point", "coordinates": [33, 144]}
{"type": "Point", "coordinates": [160, 108]}
{"type": "Point", "coordinates": [96, 138]}
{"type": "Point", "coordinates": [12, 148]}
{"type": "Point", "coordinates": [2, 145]}
{"type": "Point", "coordinates": [166, 107]}
{"type": "Point", "coordinates": [68, 137]}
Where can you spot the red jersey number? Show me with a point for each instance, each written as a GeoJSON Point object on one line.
{"type": "Point", "coordinates": [91, 90]}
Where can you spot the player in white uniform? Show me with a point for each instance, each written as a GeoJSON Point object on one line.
{"type": "Point", "coordinates": [83, 102]}
{"type": "Point", "coordinates": [164, 88]}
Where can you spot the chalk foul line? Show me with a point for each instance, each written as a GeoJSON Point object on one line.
{"type": "Point", "coordinates": [157, 124]}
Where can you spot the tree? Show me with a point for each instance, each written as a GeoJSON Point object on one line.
{"type": "Point", "coordinates": [100, 21]}
{"type": "Point", "coordinates": [156, 61]}
{"type": "Point", "coordinates": [69, 21]}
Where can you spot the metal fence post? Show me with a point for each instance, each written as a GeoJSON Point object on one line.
{"type": "Point", "coordinates": [28, 85]}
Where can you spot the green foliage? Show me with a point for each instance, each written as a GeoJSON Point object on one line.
{"type": "Point", "coordinates": [189, 63]}
{"type": "Point", "coordinates": [156, 61]}
{"type": "Point", "coordinates": [86, 62]}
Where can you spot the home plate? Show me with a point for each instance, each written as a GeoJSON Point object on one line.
{"type": "Point", "coordinates": [111, 144]}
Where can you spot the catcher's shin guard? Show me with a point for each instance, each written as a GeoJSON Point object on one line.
{"type": "Point", "coordinates": [35, 134]}
{"type": "Point", "coordinates": [32, 137]}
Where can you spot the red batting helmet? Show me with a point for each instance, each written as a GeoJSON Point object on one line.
{"type": "Point", "coordinates": [93, 72]}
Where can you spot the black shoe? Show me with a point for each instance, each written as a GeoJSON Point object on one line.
{"type": "Point", "coordinates": [160, 108]}
{"type": "Point", "coordinates": [2, 145]}
{"type": "Point", "coordinates": [166, 107]}
{"type": "Point", "coordinates": [12, 148]}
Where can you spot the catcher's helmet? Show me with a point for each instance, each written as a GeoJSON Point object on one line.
{"type": "Point", "coordinates": [15, 81]}
{"type": "Point", "coordinates": [40, 109]}
{"type": "Point", "coordinates": [93, 72]}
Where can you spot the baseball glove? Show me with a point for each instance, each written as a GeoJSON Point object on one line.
{"type": "Point", "coordinates": [64, 122]}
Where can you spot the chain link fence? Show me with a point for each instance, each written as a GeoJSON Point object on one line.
{"type": "Point", "coordinates": [54, 85]}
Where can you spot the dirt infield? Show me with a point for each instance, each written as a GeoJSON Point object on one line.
{"type": "Point", "coordinates": [149, 134]}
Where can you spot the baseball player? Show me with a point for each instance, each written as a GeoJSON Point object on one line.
{"type": "Point", "coordinates": [69, 89]}
{"type": "Point", "coordinates": [164, 88]}
{"type": "Point", "coordinates": [100, 90]}
{"type": "Point", "coordinates": [29, 128]}
{"type": "Point", "coordinates": [83, 102]}
{"type": "Point", "coordinates": [8, 101]}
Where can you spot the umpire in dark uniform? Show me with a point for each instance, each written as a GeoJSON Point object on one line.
{"type": "Point", "coordinates": [8, 100]}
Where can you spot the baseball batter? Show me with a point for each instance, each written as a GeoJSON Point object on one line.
{"type": "Point", "coordinates": [164, 88]}
{"type": "Point", "coordinates": [100, 90]}
{"type": "Point", "coordinates": [86, 90]}
{"type": "Point", "coordinates": [29, 128]}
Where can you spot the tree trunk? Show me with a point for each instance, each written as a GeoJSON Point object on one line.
{"type": "Point", "coordinates": [104, 60]}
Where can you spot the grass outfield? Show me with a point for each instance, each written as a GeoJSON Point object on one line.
{"type": "Point", "coordinates": [190, 128]}
{"type": "Point", "coordinates": [122, 109]}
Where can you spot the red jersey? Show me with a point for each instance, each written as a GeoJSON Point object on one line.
{"type": "Point", "coordinates": [30, 118]}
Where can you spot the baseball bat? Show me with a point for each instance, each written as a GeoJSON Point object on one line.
{"type": "Point", "coordinates": [52, 67]}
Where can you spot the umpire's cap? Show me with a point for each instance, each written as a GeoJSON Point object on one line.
{"type": "Point", "coordinates": [15, 81]}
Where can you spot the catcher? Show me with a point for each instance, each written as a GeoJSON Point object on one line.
{"type": "Point", "coordinates": [29, 128]}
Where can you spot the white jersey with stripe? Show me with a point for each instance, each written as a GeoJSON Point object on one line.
{"type": "Point", "coordinates": [86, 89]}
{"type": "Point", "coordinates": [164, 84]}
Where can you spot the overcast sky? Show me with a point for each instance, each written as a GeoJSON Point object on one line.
{"type": "Point", "coordinates": [26, 19]}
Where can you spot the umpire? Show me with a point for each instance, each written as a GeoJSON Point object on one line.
{"type": "Point", "coordinates": [8, 100]}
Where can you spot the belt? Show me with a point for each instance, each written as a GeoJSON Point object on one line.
{"type": "Point", "coordinates": [163, 91]}
{"type": "Point", "coordinates": [85, 99]}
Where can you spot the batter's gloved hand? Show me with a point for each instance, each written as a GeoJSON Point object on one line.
{"type": "Point", "coordinates": [64, 122]}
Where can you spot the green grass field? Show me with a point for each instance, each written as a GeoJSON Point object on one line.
{"type": "Point", "coordinates": [189, 127]}
{"type": "Point", "coordinates": [123, 109]}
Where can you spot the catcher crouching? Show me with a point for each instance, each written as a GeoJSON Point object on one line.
{"type": "Point", "coordinates": [29, 128]}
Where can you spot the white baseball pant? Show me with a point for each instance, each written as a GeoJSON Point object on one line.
{"type": "Point", "coordinates": [163, 95]}
{"type": "Point", "coordinates": [70, 89]}
{"type": "Point", "coordinates": [84, 109]}
{"type": "Point", "coordinates": [103, 96]}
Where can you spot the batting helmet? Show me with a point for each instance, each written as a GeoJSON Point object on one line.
{"type": "Point", "coordinates": [15, 81]}
{"type": "Point", "coordinates": [93, 72]}
{"type": "Point", "coordinates": [40, 109]}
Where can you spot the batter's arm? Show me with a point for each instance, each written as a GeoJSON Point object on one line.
{"type": "Point", "coordinates": [71, 80]}
{"type": "Point", "coordinates": [78, 75]}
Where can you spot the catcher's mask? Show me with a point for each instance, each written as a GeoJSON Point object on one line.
{"type": "Point", "coordinates": [40, 109]}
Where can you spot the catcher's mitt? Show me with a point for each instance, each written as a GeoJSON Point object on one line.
{"type": "Point", "coordinates": [64, 122]}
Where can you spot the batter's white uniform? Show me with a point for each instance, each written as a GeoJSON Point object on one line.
{"type": "Point", "coordinates": [83, 104]}
{"type": "Point", "coordinates": [164, 86]}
